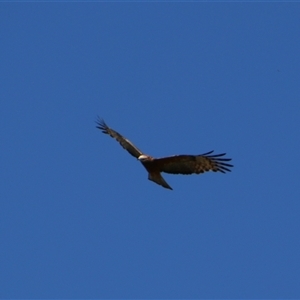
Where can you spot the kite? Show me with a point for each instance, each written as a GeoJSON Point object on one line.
{"type": "Point", "coordinates": [176, 164]}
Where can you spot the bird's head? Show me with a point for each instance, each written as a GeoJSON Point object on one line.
{"type": "Point", "coordinates": [144, 158]}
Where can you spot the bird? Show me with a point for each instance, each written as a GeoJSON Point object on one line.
{"type": "Point", "coordinates": [176, 164]}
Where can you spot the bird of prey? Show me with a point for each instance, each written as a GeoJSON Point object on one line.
{"type": "Point", "coordinates": [177, 164]}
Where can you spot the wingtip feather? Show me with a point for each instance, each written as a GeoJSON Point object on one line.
{"type": "Point", "coordinates": [101, 125]}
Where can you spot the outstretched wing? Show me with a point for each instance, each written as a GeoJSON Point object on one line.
{"type": "Point", "coordinates": [193, 164]}
{"type": "Point", "coordinates": [127, 145]}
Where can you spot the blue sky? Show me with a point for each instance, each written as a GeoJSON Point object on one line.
{"type": "Point", "coordinates": [79, 219]}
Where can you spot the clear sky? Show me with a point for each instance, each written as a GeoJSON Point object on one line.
{"type": "Point", "coordinates": [78, 216]}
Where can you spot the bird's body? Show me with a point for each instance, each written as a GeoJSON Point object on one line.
{"type": "Point", "coordinates": [177, 164]}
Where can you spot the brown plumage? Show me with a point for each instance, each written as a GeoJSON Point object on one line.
{"type": "Point", "coordinates": [177, 164]}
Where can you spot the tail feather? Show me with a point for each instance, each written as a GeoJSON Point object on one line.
{"type": "Point", "coordinates": [157, 178]}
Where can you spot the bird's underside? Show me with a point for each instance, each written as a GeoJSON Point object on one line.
{"type": "Point", "coordinates": [177, 164]}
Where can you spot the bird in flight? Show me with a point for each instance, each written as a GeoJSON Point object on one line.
{"type": "Point", "coordinates": [176, 164]}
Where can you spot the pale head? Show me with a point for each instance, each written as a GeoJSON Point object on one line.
{"type": "Point", "coordinates": [144, 158]}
